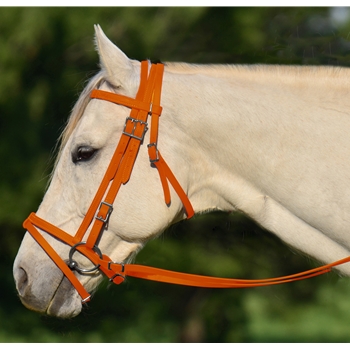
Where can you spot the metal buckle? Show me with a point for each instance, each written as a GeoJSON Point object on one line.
{"type": "Point", "coordinates": [116, 274]}
{"type": "Point", "coordinates": [114, 263]}
{"type": "Point", "coordinates": [73, 265]}
{"type": "Point", "coordinates": [154, 144]}
{"type": "Point", "coordinates": [132, 134]}
{"type": "Point", "coordinates": [110, 209]}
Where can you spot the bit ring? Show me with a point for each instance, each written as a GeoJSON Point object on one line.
{"type": "Point", "coordinates": [74, 265]}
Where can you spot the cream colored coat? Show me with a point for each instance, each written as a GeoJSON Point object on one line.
{"type": "Point", "coordinates": [272, 142]}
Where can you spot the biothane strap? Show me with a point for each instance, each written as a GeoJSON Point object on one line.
{"type": "Point", "coordinates": [155, 156]}
{"type": "Point", "coordinates": [31, 224]}
{"type": "Point", "coordinates": [161, 275]}
{"type": "Point", "coordinates": [146, 102]}
{"type": "Point", "coordinates": [117, 273]}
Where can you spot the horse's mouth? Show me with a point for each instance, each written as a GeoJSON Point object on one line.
{"type": "Point", "coordinates": [65, 302]}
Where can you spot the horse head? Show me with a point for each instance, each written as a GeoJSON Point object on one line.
{"type": "Point", "coordinates": [87, 146]}
{"type": "Point", "coordinates": [250, 138]}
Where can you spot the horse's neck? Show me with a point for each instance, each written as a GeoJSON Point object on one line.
{"type": "Point", "coordinates": [232, 125]}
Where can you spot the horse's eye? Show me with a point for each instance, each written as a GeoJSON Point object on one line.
{"type": "Point", "coordinates": [83, 154]}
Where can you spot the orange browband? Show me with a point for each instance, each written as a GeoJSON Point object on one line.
{"type": "Point", "coordinates": [146, 103]}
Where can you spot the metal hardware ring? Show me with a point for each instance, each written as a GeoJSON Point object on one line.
{"type": "Point", "coordinates": [74, 265]}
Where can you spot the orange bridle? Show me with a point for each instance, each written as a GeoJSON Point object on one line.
{"type": "Point", "coordinates": [146, 103]}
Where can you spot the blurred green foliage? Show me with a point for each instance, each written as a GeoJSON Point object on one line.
{"type": "Point", "coordinates": [46, 56]}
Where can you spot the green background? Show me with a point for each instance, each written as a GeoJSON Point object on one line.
{"type": "Point", "coordinates": [46, 57]}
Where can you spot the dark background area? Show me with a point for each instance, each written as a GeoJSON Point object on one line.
{"type": "Point", "coordinates": [46, 57]}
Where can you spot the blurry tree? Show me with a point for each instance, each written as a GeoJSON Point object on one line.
{"type": "Point", "coordinates": [46, 56]}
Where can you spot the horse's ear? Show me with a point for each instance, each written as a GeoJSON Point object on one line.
{"type": "Point", "coordinates": [117, 66]}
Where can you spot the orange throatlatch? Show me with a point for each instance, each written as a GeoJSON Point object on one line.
{"type": "Point", "coordinates": [146, 103]}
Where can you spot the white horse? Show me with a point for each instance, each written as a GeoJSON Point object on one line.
{"type": "Point", "coordinates": [270, 141]}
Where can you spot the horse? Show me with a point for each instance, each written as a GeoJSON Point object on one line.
{"type": "Point", "coordinates": [269, 141]}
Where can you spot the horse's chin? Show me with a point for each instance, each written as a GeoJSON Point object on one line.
{"type": "Point", "coordinates": [66, 302]}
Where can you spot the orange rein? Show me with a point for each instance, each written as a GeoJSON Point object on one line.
{"type": "Point", "coordinates": [146, 103]}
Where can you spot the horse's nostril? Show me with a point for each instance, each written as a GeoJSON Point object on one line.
{"type": "Point", "coordinates": [22, 280]}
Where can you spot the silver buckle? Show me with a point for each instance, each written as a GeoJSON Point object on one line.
{"type": "Point", "coordinates": [117, 274]}
{"type": "Point", "coordinates": [132, 134]}
{"type": "Point", "coordinates": [110, 209]}
{"type": "Point", "coordinates": [154, 144]}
